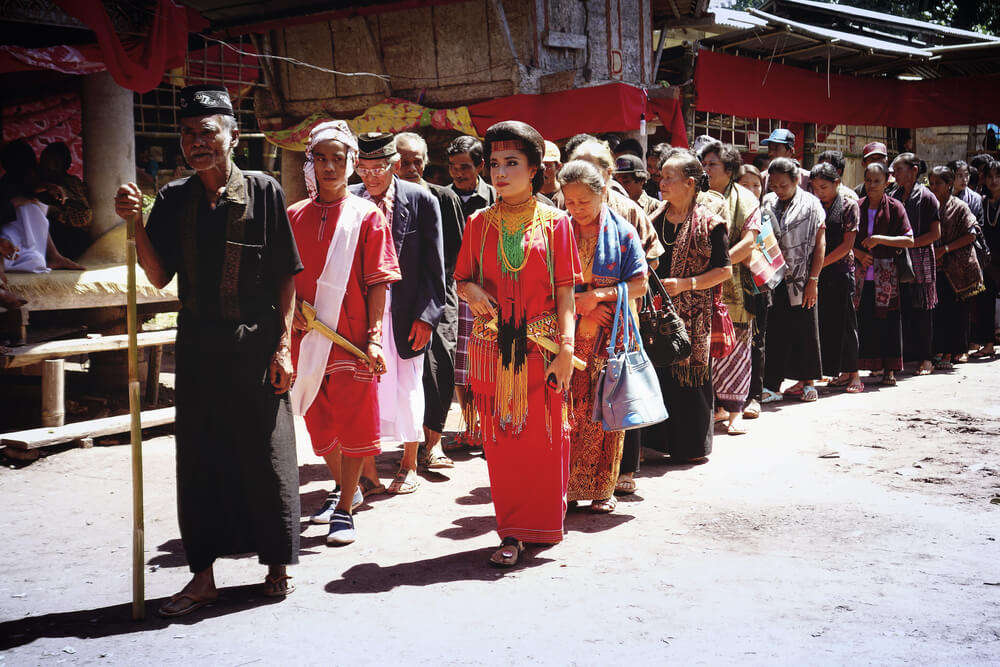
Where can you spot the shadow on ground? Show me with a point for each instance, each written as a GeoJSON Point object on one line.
{"type": "Point", "coordinates": [117, 620]}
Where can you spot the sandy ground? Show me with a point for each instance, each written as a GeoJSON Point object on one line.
{"type": "Point", "coordinates": [856, 530]}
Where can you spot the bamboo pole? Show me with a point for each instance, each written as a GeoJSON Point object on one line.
{"type": "Point", "coordinates": [138, 530]}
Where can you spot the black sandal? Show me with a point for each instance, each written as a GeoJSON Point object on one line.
{"type": "Point", "coordinates": [508, 553]}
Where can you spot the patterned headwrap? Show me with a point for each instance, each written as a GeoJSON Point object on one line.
{"type": "Point", "coordinates": [336, 130]}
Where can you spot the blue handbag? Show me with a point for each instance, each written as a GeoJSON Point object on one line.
{"type": "Point", "coordinates": [627, 395]}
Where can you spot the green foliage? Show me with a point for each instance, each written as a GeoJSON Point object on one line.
{"type": "Point", "coordinates": [978, 15]}
{"type": "Point", "coordinates": [147, 205]}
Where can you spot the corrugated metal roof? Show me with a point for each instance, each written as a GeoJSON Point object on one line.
{"type": "Point", "coordinates": [842, 37]}
{"type": "Point", "coordinates": [888, 19]}
{"type": "Point", "coordinates": [734, 18]}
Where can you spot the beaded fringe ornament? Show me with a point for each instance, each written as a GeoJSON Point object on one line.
{"type": "Point", "coordinates": [498, 360]}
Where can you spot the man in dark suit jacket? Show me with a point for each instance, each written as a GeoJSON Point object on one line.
{"type": "Point", "coordinates": [439, 366]}
{"type": "Point", "coordinates": [414, 305]}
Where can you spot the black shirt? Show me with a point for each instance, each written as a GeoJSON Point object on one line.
{"type": "Point", "coordinates": [668, 234]}
{"type": "Point", "coordinates": [268, 255]}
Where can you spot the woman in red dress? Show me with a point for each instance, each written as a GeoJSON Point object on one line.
{"type": "Point", "coordinates": [517, 269]}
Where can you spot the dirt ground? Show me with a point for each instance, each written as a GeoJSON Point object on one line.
{"type": "Point", "coordinates": [861, 529]}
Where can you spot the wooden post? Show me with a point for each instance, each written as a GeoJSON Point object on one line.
{"type": "Point", "coordinates": [154, 359]}
{"type": "Point", "coordinates": [138, 529]}
{"type": "Point", "coordinates": [53, 392]}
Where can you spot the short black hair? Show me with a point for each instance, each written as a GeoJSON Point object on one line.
{"type": "Point", "coordinates": [575, 141]}
{"type": "Point", "coordinates": [532, 145]}
{"type": "Point", "coordinates": [836, 158]}
{"type": "Point", "coordinates": [760, 161]}
{"type": "Point", "coordinates": [630, 146]}
{"type": "Point", "coordinates": [18, 160]}
{"type": "Point", "coordinates": [466, 144]}
{"type": "Point", "coordinates": [728, 155]}
{"type": "Point", "coordinates": [658, 150]}
{"type": "Point", "coordinates": [945, 173]}
{"type": "Point", "coordinates": [61, 151]}
{"type": "Point", "coordinates": [611, 139]}
{"type": "Point", "coordinates": [825, 171]}
{"type": "Point", "coordinates": [784, 165]}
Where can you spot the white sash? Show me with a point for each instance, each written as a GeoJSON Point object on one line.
{"type": "Point", "coordinates": [330, 289]}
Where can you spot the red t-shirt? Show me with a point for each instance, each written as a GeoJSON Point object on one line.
{"type": "Point", "coordinates": [375, 262]}
{"type": "Point", "coordinates": [534, 277]}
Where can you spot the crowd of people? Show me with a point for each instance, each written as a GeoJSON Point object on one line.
{"type": "Point", "coordinates": [366, 308]}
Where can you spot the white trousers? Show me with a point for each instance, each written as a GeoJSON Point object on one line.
{"type": "Point", "coordinates": [400, 389]}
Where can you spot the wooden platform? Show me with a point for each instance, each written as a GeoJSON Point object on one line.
{"type": "Point", "coordinates": [82, 431]}
{"type": "Point", "coordinates": [25, 355]}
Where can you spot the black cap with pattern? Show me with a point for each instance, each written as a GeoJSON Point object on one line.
{"type": "Point", "coordinates": [376, 145]}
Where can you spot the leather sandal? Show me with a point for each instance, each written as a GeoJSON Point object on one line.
{"type": "Point", "coordinates": [508, 553]}
{"type": "Point", "coordinates": [194, 603]}
{"type": "Point", "coordinates": [278, 587]}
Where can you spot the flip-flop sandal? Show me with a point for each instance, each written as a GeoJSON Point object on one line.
{"type": "Point", "coordinates": [923, 371]}
{"type": "Point", "coordinates": [456, 444]}
{"type": "Point", "coordinates": [888, 382]}
{"type": "Point", "coordinates": [855, 388]}
{"type": "Point", "coordinates": [837, 382]}
{"type": "Point", "coordinates": [439, 462]}
{"type": "Point", "coordinates": [979, 354]}
{"type": "Point", "coordinates": [736, 429]}
{"type": "Point", "coordinates": [508, 553]}
{"type": "Point", "coordinates": [752, 411]}
{"type": "Point", "coordinates": [626, 486]}
{"type": "Point", "coordinates": [944, 366]}
{"type": "Point", "coordinates": [196, 603]}
{"type": "Point", "coordinates": [278, 587]}
{"type": "Point", "coordinates": [401, 485]}
{"type": "Point", "coordinates": [606, 506]}
{"type": "Point", "coordinates": [793, 392]}
{"type": "Point", "coordinates": [809, 394]}
{"type": "Point", "coordinates": [768, 396]}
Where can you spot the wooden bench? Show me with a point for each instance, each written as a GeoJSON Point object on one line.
{"type": "Point", "coordinates": [52, 354]}
{"type": "Point", "coordinates": [83, 433]}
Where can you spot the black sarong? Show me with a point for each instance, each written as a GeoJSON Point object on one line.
{"type": "Point", "coordinates": [838, 323]}
{"type": "Point", "coordinates": [792, 342]}
{"type": "Point", "coordinates": [237, 475]}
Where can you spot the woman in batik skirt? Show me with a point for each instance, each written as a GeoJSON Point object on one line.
{"type": "Point", "coordinates": [612, 259]}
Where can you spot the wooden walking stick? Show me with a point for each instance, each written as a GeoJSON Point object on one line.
{"type": "Point", "coordinates": [138, 538]}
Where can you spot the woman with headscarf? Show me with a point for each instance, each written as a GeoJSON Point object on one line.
{"type": "Point", "coordinates": [959, 277]}
{"type": "Point", "coordinates": [838, 321]}
{"type": "Point", "coordinates": [696, 262]}
{"type": "Point", "coordinates": [612, 259]}
{"type": "Point", "coordinates": [792, 321]}
{"type": "Point", "coordinates": [517, 270]}
{"type": "Point", "coordinates": [346, 247]}
{"type": "Point", "coordinates": [731, 374]}
{"type": "Point", "coordinates": [883, 230]}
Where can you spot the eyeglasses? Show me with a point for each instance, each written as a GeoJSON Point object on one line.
{"type": "Point", "coordinates": [373, 171]}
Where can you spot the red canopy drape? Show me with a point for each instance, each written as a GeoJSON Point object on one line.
{"type": "Point", "coordinates": [754, 88]}
{"type": "Point", "coordinates": [613, 107]}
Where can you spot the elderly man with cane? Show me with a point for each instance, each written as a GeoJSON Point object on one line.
{"type": "Point", "coordinates": [226, 235]}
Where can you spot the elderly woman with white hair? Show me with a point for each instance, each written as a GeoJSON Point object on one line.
{"type": "Point", "coordinates": [612, 260]}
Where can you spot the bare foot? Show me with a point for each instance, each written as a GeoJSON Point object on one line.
{"type": "Point", "coordinates": [64, 263]}
{"type": "Point", "coordinates": [200, 591]}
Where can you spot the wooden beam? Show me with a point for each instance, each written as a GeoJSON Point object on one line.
{"type": "Point", "coordinates": [659, 55]}
{"type": "Point", "coordinates": [42, 437]}
{"type": "Point", "coordinates": [565, 40]}
{"type": "Point", "coordinates": [25, 355]}
{"type": "Point", "coordinates": [757, 36]}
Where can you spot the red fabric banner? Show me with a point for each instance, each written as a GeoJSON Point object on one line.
{"type": "Point", "coordinates": [613, 107]}
{"type": "Point", "coordinates": [752, 88]}
{"type": "Point", "coordinates": [163, 49]}
{"type": "Point", "coordinates": [45, 121]}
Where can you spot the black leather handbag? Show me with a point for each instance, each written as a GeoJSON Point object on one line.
{"type": "Point", "coordinates": [662, 330]}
